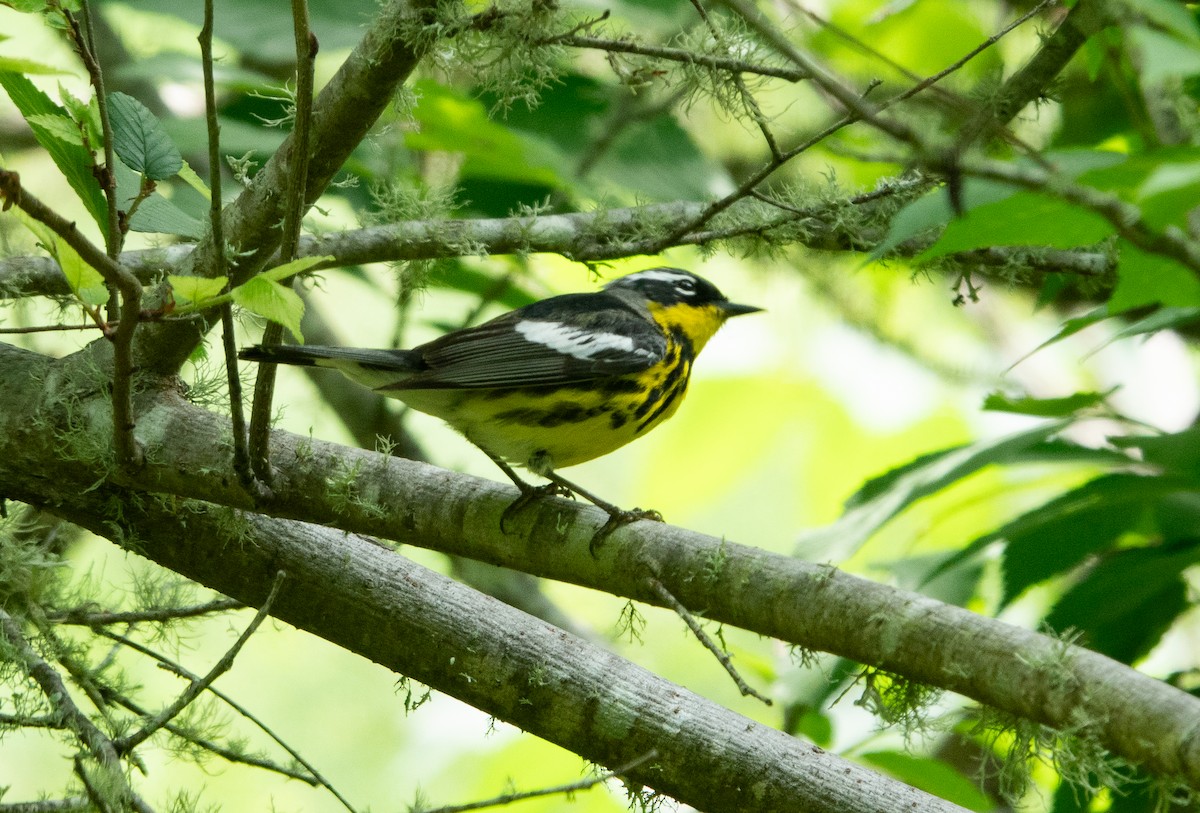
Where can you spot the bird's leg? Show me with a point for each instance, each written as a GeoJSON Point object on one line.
{"type": "Point", "coordinates": [529, 492]}
{"type": "Point", "coordinates": [616, 516]}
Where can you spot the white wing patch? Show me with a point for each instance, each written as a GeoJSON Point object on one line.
{"type": "Point", "coordinates": [580, 344]}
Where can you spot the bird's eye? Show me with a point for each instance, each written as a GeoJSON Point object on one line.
{"type": "Point", "coordinates": [687, 286]}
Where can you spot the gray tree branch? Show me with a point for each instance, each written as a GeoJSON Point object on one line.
{"type": "Point", "coordinates": [1033, 676]}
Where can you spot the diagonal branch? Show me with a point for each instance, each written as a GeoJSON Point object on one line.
{"type": "Point", "coordinates": [1027, 674]}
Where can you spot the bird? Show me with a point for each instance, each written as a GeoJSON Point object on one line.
{"type": "Point", "coordinates": [552, 384]}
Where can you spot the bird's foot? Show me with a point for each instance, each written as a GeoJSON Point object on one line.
{"type": "Point", "coordinates": [618, 517]}
{"type": "Point", "coordinates": [531, 494]}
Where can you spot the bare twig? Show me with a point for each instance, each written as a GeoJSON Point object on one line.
{"type": "Point", "coordinates": [237, 418]}
{"type": "Point", "coordinates": [82, 616]}
{"type": "Point", "coordinates": [297, 204]}
{"type": "Point", "coordinates": [570, 787]}
{"type": "Point", "coordinates": [228, 754]}
{"type": "Point", "coordinates": [52, 686]}
{"type": "Point", "coordinates": [720, 63]}
{"type": "Point", "coordinates": [186, 674]}
{"type": "Point", "coordinates": [129, 742]}
{"type": "Point", "coordinates": [778, 159]}
{"type": "Point", "coordinates": [721, 655]}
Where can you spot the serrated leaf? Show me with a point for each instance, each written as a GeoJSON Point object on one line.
{"type": "Point", "coordinates": [61, 127]}
{"type": "Point", "coordinates": [272, 301]}
{"type": "Point", "coordinates": [140, 140]}
{"type": "Point", "coordinates": [1045, 407]}
{"type": "Point", "coordinates": [1057, 536]}
{"type": "Point", "coordinates": [196, 289]}
{"type": "Point", "coordinates": [1125, 604]}
{"type": "Point", "coordinates": [73, 161]}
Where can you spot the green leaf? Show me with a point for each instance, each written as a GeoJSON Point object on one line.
{"type": "Point", "coordinates": [196, 289]}
{"type": "Point", "coordinates": [1125, 604]}
{"type": "Point", "coordinates": [157, 215]}
{"type": "Point", "coordinates": [1177, 453]}
{"type": "Point", "coordinates": [882, 498]}
{"type": "Point", "coordinates": [85, 281]}
{"type": "Point", "coordinates": [932, 776]}
{"type": "Point", "coordinates": [1173, 16]}
{"type": "Point", "coordinates": [74, 161]}
{"type": "Point", "coordinates": [290, 269]}
{"type": "Point", "coordinates": [1059, 535]}
{"type": "Point", "coordinates": [1023, 219]}
{"type": "Point", "coordinates": [61, 127]}
{"type": "Point", "coordinates": [934, 210]}
{"type": "Point", "coordinates": [482, 284]}
{"type": "Point", "coordinates": [189, 176]}
{"type": "Point", "coordinates": [27, 66]}
{"type": "Point", "coordinates": [1069, 328]}
{"type": "Point", "coordinates": [1045, 407]}
{"type": "Point", "coordinates": [1151, 279]}
{"type": "Point", "coordinates": [140, 141]}
{"type": "Point", "coordinates": [272, 301]}
{"type": "Point", "coordinates": [453, 122]}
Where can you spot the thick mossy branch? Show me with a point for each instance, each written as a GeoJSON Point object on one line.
{"type": "Point", "coordinates": [1021, 672]}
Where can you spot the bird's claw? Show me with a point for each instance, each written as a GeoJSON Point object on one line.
{"type": "Point", "coordinates": [617, 518]}
{"type": "Point", "coordinates": [532, 494]}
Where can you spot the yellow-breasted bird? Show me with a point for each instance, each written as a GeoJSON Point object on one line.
{"type": "Point", "coordinates": [555, 383]}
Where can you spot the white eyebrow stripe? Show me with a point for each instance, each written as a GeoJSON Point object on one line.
{"type": "Point", "coordinates": [580, 344]}
{"type": "Point", "coordinates": [662, 275]}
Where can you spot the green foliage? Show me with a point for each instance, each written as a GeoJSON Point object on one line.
{"type": "Point", "coordinates": [73, 159]}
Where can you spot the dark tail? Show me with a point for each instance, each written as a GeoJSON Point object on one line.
{"type": "Point", "coordinates": [314, 355]}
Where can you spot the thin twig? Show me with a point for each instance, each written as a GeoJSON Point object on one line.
{"type": "Point", "coordinates": [720, 63]}
{"type": "Point", "coordinates": [129, 742]}
{"type": "Point", "coordinates": [721, 655]}
{"type": "Point", "coordinates": [228, 754]}
{"type": "Point", "coordinates": [237, 418]}
{"type": "Point", "coordinates": [82, 39]}
{"type": "Point", "coordinates": [85, 617]}
{"type": "Point", "coordinates": [186, 674]}
{"type": "Point", "coordinates": [293, 217]}
{"type": "Point", "coordinates": [571, 787]}
{"type": "Point", "coordinates": [52, 686]}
